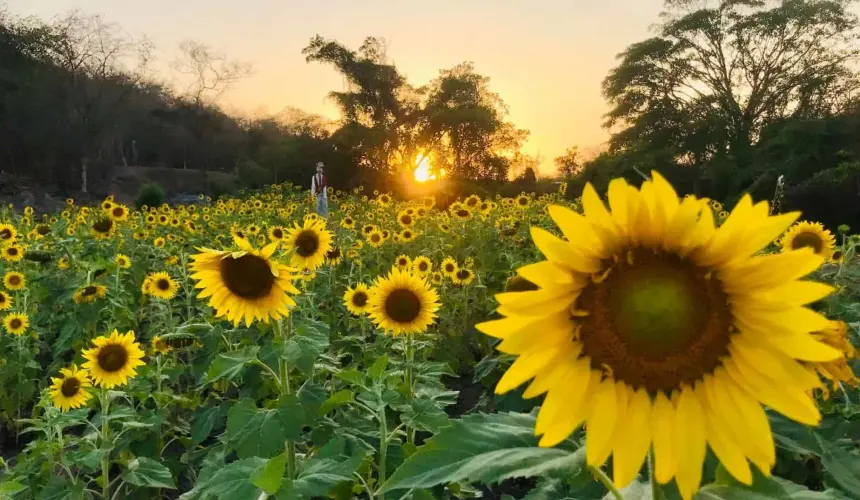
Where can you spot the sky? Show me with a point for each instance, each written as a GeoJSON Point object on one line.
{"type": "Point", "coordinates": [546, 58]}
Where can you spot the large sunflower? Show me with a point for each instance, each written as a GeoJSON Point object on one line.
{"type": "Point", "coordinates": [812, 235]}
{"type": "Point", "coordinates": [309, 244]}
{"type": "Point", "coordinates": [89, 293]}
{"type": "Point", "coordinates": [118, 212]}
{"type": "Point", "coordinates": [403, 304]}
{"type": "Point", "coordinates": [13, 280]}
{"type": "Point", "coordinates": [69, 391]}
{"type": "Point", "coordinates": [652, 326]}
{"type": "Point", "coordinates": [16, 323]}
{"type": "Point", "coordinates": [245, 284]}
{"type": "Point", "coordinates": [114, 359]}
{"type": "Point", "coordinates": [162, 286]}
{"type": "Point", "coordinates": [357, 299]}
{"type": "Point", "coordinates": [13, 253]}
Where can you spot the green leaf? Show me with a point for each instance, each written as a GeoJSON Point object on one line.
{"type": "Point", "coordinates": [292, 415]}
{"type": "Point", "coordinates": [377, 369]}
{"type": "Point", "coordinates": [311, 339]}
{"type": "Point", "coordinates": [336, 400]}
{"type": "Point", "coordinates": [354, 377]}
{"type": "Point", "coordinates": [334, 464]}
{"type": "Point", "coordinates": [761, 489]}
{"type": "Point", "coordinates": [9, 488]}
{"type": "Point", "coordinates": [229, 482]}
{"type": "Point", "coordinates": [269, 477]}
{"type": "Point", "coordinates": [842, 466]}
{"type": "Point", "coordinates": [253, 432]}
{"type": "Point", "coordinates": [88, 459]}
{"type": "Point", "coordinates": [228, 365]}
{"type": "Point", "coordinates": [147, 472]}
{"type": "Point", "coordinates": [485, 448]}
{"type": "Point", "coordinates": [425, 415]}
{"type": "Point", "coordinates": [204, 420]}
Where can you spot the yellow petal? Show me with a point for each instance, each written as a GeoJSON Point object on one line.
{"type": "Point", "coordinates": [633, 438]}
{"type": "Point", "coordinates": [792, 402]}
{"type": "Point", "coordinates": [719, 438]}
{"type": "Point", "coordinates": [663, 431]}
{"type": "Point", "coordinates": [601, 423]}
{"type": "Point", "coordinates": [690, 421]}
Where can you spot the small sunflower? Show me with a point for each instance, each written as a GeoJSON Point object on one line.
{"type": "Point", "coordinates": [333, 256]}
{"type": "Point", "coordinates": [103, 228]}
{"type": "Point", "coordinates": [812, 235]}
{"type": "Point", "coordinates": [522, 202]}
{"type": "Point", "coordinates": [16, 323]}
{"type": "Point", "coordinates": [5, 301]}
{"type": "Point", "coordinates": [122, 260]}
{"type": "Point", "coordinates": [63, 263]}
{"type": "Point", "coordinates": [407, 235]}
{"type": "Point", "coordinates": [309, 244]}
{"type": "Point", "coordinates": [449, 267]}
{"type": "Point", "coordinates": [405, 219]}
{"type": "Point", "coordinates": [436, 278]}
{"type": "Point", "coordinates": [69, 390]}
{"type": "Point", "coordinates": [89, 294]}
{"type": "Point", "coordinates": [463, 276]}
{"type": "Point", "coordinates": [347, 223]}
{"type": "Point", "coordinates": [118, 212]}
{"type": "Point", "coordinates": [462, 213]}
{"type": "Point", "coordinates": [403, 304]}
{"type": "Point", "coordinates": [162, 286]}
{"type": "Point", "coordinates": [159, 346]}
{"type": "Point", "coordinates": [403, 262]}
{"type": "Point", "coordinates": [42, 230]}
{"type": "Point", "coordinates": [276, 233]}
{"type": "Point", "coordinates": [245, 284]}
{"type": "Point", "coordinates": [357, 299]}
{"type": "Point", "coordinates": [158, 242]}
{"type": "Point", "coordinates": [422, 266]}
{"type": "Point", "coordinates": [7, 234]}
{"type": "Point", "coordinates": [13, 280]}
{"type": "Point", "coordinates": [375, 238]}
{"type": "Point", "coordinates": [114, 359]}
{"type": "Point", "coordinates": [13, 253]}
{"type": "Point", "coordinates": [838, 370]}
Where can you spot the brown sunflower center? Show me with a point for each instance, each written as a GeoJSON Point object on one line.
{"type": "Point", "coordinates": [449, 268]}
{"type": "Point", "coordinates": [406, 219]}
{"type": "Point", "coordinates": [422, 266]}
{"type": "Point", "coordinates": [12, 251]}
{"type": "Point", "coordinates": [656, 323]}
{"type": "Point", "coordinates": [374, 238]}
{"type": "Point", "coordinates": [2, 298]}
{"type": "Point", "coordinates": [464, 274]}
{"type": "Point", "coordinates": [112, 357]}
{"type": "Point", "coordinates": [103, 226]}
{"type": "Point", "coordinates": [462, 213]}
{"type": "Point", "coordinates": [359, 299]}
{"type": "Point", "coordinates": [15, 323]}
{"type": "Point", "coordinates": [407, 235]}
{"type": "Point", "coordinates": [523, 201]}
{"type": "Point", "coordinates": [118, 211]}
{"type": "Point", "coordinates": [333, 254]}
{"type": "Point", "coordinates": [249, 276]}
{"type": "Point", "coordinates": [43, 229]}
{"type": "Point", "coordinates": [277, 233]}
{"type": "Point", "coordinates": [307, 243]}
{"type": "Point", "coordinates": [71, 386]}
{"type": "Point", "coordinates": [89, 290]}
{"type": "Point", "coordinates": [519, 284]}
{"type": "Point", "coordinates": [5, 233]}
{"type": "Point", "coordinates": [402, 263]}
{"type": "Point", "coordinates": [402, 306]}
{"type": "Point", "coordinates": [14, 280]}
{"type": "Point", "coordinates": [163, 284]}
{"type": "Point", "coordinates": [807, 239]}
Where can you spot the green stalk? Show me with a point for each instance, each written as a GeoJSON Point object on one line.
{"type": "Point", "coordinates": [410, 381]}
{"type": "Point", "coordinates": [604, 479]}
{"type": "Point", "coordinates": [383, 448]}
{"type": "Point", "coordinates": [105, 402]}
{"type": "Point", "coordinates": [284, 370]}
{"type": "Point", "coordinates": [655, 488]}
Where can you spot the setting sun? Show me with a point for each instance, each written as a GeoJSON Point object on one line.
{"type": "Point", "coordinates": [422, 172]}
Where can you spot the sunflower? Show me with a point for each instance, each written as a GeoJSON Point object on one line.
{"type": "Point", "coordinates": [158, 242]}
{"type": "Point", "coordinates": [522, 202]}
{"type": "Point", "coordinates": [245, 284]}
{"type": "Point", "coordinates": [7, 234]}
{"type": "Point", "coordinates": [402, 303]}
{"type": "Point", "coordinates": [103, 228]}
{"type": "Point", "coordinates": [462, 213]}
{"type": "Point", "coordinates": [656, 327]}
{"type": "Point", "coordinates": [812, 235]}
{"type": "Point", "coordinates": [151, 219]}
{"type": "Point", "coordinates": [63, 263]}
{"type": "Point", "coordinates": [163, 220]}
{"type": "Point", "coordinates": [837, 256]}
{"type": "Point", "coordinates": [42, 230]}
{"type": "Point", "coordinates": [407, 235]}
{"type": "Point", "coordinates": [519, 284]}
{"type": "Point", "coordinates": [405, 219]}
{"type": "Point", "coordinates": [5, 301]}
{"type": "Point", "coordinates": [159, 346]}
{"type": "Point", "coordinates": [107, 205]}
{"type": "Point", "coordinates": [13, 253]}
{"type": "Point", "coordinates": [463, 276]}
{"type": "Point", "coordinates": [444, 227]}
{"type": "Point", "coordinates": [13, 280]}
{"type": "Point", "coordinates": [89, 294]}
{"type": "Point", "coordinates": [118, 213]}
{"type": "Point", "coordinates": [449, 267]}
{"type": "Point", "coordinates": [309, 244]}
{"type": "Point", "coordinates": [375, 238]}
{"type": "Point", "coordinates": [384, 199]}
{"type": "Point", "coordinates": [837, 371]}
{"type": "Point", "coordinates": [472, 201]}
{"type": "Point", "coordinates": [347, 223]}
{"type": "Point", "coordinates": [403, 262]}
{"type": "Point", "coordinates": [276, 233]}
{"type": "Point", "coordinates": [122, 260]}
{"type": "Point", "coordinates": [114, 359]}
{"type": "Point", "coordinates": [162, 286]}
{"type": "Point", "coordinates": [422, 266]}
{"type": "Point", "coordinates": [16, 323]}
{"type": "Point", "coordinates": [436, 278]}
{"type": "Point", "coordinates": [333, 256]}
{"type": "Point", "coordinates": [69, 391]}
{"type": "Point", "coordinates": [356, 299]}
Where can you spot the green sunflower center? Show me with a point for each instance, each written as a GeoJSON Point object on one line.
{"type": "Point", "coordinates": [112, 357]}
{"type": "Point", "coordinates": [307, 243]}
{"type": "Point", "coordinates": [249, 276]}
{"type": "Point", "coordinates": [359, 299]}
{"type": "Point", "coordinates": [402, 305]}
{"type": "Point", "coordinates": [103, 226]}
{"type": "Point", "coordinates": [655, 321]}
{"type": "Point", "coordinates": [71, 386]}
{"type": "Point", "coordinates": [807, 239]}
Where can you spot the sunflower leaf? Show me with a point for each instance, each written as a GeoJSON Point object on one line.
{"type": "Point", "coordinates": [483, 448]}
{"type": "Point", "coordinates": [254, 432]}
{"type": "Point", "coordinates": [228, 482]}
{"type": "Point", "coordinates": [229, 364]}
{"type": "Point", "coordinates": [147, 472]}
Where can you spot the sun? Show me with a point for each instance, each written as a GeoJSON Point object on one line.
{"type": "Point", "coordinates": [422, 171]}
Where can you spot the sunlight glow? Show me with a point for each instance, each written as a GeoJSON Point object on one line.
{"type": "Point", "coordinates": [422, 172]}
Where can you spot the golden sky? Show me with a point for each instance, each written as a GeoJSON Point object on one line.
{"type": "Point", "coordinates": [546, 58]}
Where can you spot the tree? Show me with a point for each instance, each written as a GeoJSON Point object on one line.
{"type": "Point", "coordinates": [718, 73]}
{"type": "Point", "coordinates": [209, 74]}
{"type": "Point", "coordinates": [570, 163]}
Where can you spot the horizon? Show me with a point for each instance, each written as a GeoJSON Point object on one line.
{"type": "Point", "coordinates": [548, 72]}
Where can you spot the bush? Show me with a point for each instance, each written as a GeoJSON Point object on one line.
{"type": "Point", "coordinates": [151, 195]}
{"type": "Point", "coordinates": [252, 175]}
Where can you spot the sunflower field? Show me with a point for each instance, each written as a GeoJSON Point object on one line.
{"type": "Point", "coordinates": [634, 344]}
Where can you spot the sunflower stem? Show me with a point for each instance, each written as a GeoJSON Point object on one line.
{"type": "Point", "coordinates": [604, 479]}
{"type": "Point", "coordinates": [655, 488]}
{"type": "Point", "coordinates": [410, 382]}
{"type": "Point", "coordinates": [105, 434]}
{"type": "Point", "coordinates": [284, 335]}
{"type": "Point", "coordinates": [383, 449]}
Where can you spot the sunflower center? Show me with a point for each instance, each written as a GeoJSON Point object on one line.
{"type": "Point", "coordinates": [112, 357]}
{"type": "Point", "coordinates": [103, 226]}
{"type": "Point", "coordinates": [70, 387]}
{"type": "Point", "coordinates": [407, 234]}
{"type": "Point", "coordinates": [163, 284]}
{"type": "Point", "coordinates": [249, 276]}
{"type": "Point", "coordinates": [359, 299]}
{"type": "Point", "coordinates": [43, 229]}
{"type": "Point", "coordinates": [522, 201]}
{"type": "Point", "coordinates": [406, 219]}
{"type": "Point", "coordinates": [462, 213]}
{"type": "Point", "coordinates": [118, 212]}
{"type": "Point", "coordinates": [422, 266]}
{"type": "Point", "coordinates": [809, 239]}
{"type": "Point", "coordinates": [374, 238]}
{"type": "Point", "coordinates": [15, 323]}
{"type": "Point", "coordinates": [2, 298]}
{"type": "Point", "coordinates": [449, 268]}
{"type": "Point", "coordinates": [333, 254]}
{"type": "Point", "coordinates": [277, 233]}
{"type": "Point", "coordinates": [463, 274]}
{"type": "Point", "coordinates": [656, 323]}
{"type": "Point", "coordinates": [307, 243]}
{"type": "Point", "coordinates": [90, 290]}
{"type": "Point", "coordinates": [403, 306]}
{"type": "Point", "coordinates": [14, 280]}
{"type": "Point", "coordinates": [5, 234]}
{"type": "Point", "coordinates": [12, 251]}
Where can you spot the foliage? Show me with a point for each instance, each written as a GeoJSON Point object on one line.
{"type": "Point", "coordinates": [150, 195]}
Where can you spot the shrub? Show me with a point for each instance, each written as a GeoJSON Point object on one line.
{"type": "Point", "coordinates": [151, 195]}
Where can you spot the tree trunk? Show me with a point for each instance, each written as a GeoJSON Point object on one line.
{"type": "Point", "coordinates": [84, 163]}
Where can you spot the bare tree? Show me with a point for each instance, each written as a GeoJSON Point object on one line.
{"type": "Point", "coordinates": [210, 73]}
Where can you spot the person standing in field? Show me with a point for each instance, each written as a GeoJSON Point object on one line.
{"type": "Point", "coordinates": [318, 189]}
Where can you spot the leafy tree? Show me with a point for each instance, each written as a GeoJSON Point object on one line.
{"type": "Point", "coordinates": [570, 163]}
